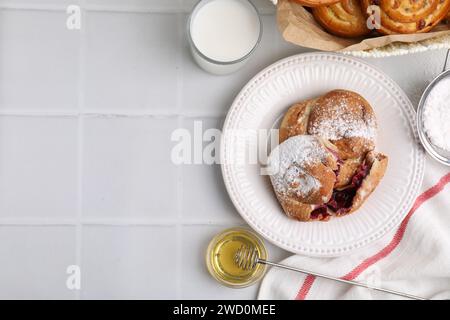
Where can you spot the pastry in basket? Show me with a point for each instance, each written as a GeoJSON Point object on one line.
{"type": "Point", "coordinates": [344, 19]}
{"type": "Point", "coordinates": [346, 125]}
{"type": "Point", "coordinates": [409, 16]}
{"type": "Point", "coordinates": [315, 3]}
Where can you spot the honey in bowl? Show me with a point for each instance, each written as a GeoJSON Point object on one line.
{"type": "Point", "coordinates": [220, 257]}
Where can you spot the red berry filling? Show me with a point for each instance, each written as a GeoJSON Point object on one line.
{"type": "Point", "coordinates": [341, 200]}
{"type": "Point", "coordinates": [320, 213]}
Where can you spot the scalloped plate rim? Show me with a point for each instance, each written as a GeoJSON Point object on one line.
{"type": "Point", "coordinates": [420, 155]}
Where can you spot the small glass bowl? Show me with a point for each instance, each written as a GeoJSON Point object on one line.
{"type": "Point", "coordinates": [435, 152]}
{"type": "Point", "coordinates": [214, 66]}
{"type": "Point", "coordinates": [220, 257]}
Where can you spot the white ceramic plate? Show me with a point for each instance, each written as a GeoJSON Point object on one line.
{"type": "Point", "coordinates": [266, 97]}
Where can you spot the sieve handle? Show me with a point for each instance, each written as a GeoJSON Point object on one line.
{"type": "Point", "coordinates": [446, 60]}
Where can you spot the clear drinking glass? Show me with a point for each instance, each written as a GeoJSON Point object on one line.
{"type": "Point", "coordinates": [215, 66]}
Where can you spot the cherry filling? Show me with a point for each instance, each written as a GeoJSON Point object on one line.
{"type": "Point", "coordinates": [320, 213]}
{"type": "Point", "coordinates": [359, 176]}
{"type": "Point", "coordinates": [341, 200]}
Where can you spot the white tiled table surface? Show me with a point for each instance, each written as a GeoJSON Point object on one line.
{"type": "Point", "coordinates": [85, 170]}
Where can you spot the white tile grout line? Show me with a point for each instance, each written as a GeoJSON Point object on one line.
{"type": "Point", "coordinates": [143, 9]}
{"type": "Point", "coordinates": [163, 113]}
{"type": "Point", "coordinates": [40, 221]}
{"type": "Point", "coordinates": [97, 221]}
{"type": "Point", "coordinates": [80, 146]}
{"type": "Point", "coordinates": [179, 187]}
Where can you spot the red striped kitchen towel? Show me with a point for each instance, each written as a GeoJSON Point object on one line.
{"type": "Point", "coordinates": [414, 258]}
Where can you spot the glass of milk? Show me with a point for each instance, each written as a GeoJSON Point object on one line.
{"type": "Point", "coordinates": [223, 34]}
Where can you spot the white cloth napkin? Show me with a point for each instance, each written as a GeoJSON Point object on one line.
{"type": "Point", "coordinates": [414, 258]}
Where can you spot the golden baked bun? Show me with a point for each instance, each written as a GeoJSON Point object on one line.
{"type": "Point", "coordinates": [409, 16]}
{"type": "Point", "coordinates": [343, 117]}
{"type": "Point", "coordinates": [302, 175]}
{"type": "Point", "coordinates": [315, 3]}
{"type": "Point", "coordinates": [304, 179]}
{"type": "Point", "coordinates": [347, 120]}
{"type": "Point", "coordinates": [334, 171]}
{"type": "Point", "coordinates": [344, 19]}
{"type": "Point", "coordinates": [295, 120]}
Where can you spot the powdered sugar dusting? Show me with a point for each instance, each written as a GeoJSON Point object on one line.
{"type": "Point", "coordinates": [339, 123]}
{"type": "Point", "coordinates": [436, 114]}
{"type": "Point", "coordinates": [300, 182]}
{"type": "Point", "coordinates": [288, 160]}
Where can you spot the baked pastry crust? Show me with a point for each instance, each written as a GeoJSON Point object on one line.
{"type": "Point", "coordinates": [343, 117]}
{"type": "Point", "coordinates": [347, 169]}
{"type": "Point", "coordinates": [303, 175]}
{"type": "Point", "coordinates": [315, 3]}
{"type": "Point", "coordinates": [344, 19]}
{"type": "Point", "coordinates": [345, 124]}
{"type": "Point", "coordinates": [378, 163]}
{"type": "Point", "coordinates": [409, 16]}
{"type": "Point", "coordinates": [295, 120]}
{"type": "Point", "coordinates": [326, 199]}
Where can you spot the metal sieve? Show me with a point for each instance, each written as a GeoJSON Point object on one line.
{"type": "Point", "coordinates": [435, 152]}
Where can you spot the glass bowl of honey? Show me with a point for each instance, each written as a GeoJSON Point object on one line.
{"type": "Point", "coordinates": [220, 257]}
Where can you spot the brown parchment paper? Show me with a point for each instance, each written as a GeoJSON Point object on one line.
{"type": "Point", "coordinates": [297, 25]}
